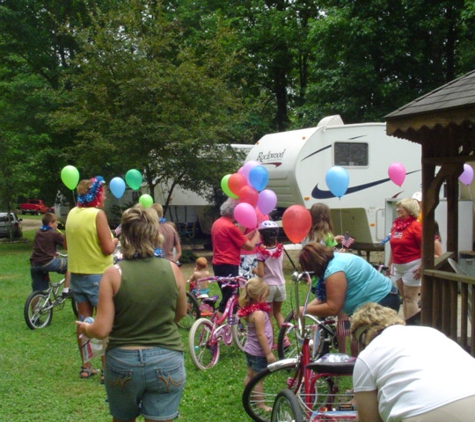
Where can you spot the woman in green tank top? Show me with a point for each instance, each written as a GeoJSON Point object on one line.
{"type": "Point", "coordinates": [140, 301]}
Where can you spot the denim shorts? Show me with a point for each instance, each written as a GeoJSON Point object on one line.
{"type": "Point", "coordinates": [256, 363]}
{"type": "Point", "coordinates": [144, 381]}
{"type": "Point", "coordinates": [56, 265]}
{"type": "Point", "coordinates": [391, 300]}
{"type": "Point", "coordinates": [86, 287]}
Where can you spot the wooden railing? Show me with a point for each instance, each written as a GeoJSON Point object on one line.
{"type": "Point", "coordinates": [451, 297]}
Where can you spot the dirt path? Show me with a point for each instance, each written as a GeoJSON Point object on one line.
{"type": "Point", "coordinates": [29, 224]}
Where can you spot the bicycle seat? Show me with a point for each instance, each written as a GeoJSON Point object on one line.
{"type": "Point", "coordinates": [210, 300]}
{"type": "Point", "coordinates": [327, 366]}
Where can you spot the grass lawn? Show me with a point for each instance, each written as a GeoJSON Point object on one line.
{"type": "Point", "coordinates": [39, 370]}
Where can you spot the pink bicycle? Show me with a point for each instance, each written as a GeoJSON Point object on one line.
{"type": "Point", "coordinates": [206, 334]}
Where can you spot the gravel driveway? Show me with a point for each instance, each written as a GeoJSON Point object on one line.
{"type": "Point", "coordinates": [29, 224]}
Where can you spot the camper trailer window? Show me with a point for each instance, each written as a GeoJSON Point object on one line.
{"type": "Point", "coordinates": [351, 154]}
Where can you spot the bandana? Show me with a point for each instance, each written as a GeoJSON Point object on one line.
{"type": "Point", "coordinates": [248, 310]}
{"type": "Point", "coordinates": [91, 198]}
{"type": "Point", "coordinates": [46, 228]}
{"type": "Point", "coordinates": [401, 223]}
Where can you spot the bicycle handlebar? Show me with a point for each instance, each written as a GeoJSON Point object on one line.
{"type": "Point", "coordinates": [235, 281]}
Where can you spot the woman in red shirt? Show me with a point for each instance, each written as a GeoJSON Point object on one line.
{"type": "Point", "coordinates": [227, 242]}
{"type": "Point", "coordinates": [405, 256]}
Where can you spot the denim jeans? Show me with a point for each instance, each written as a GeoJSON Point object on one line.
{"type": "Point", "coordinates": [144, 381]}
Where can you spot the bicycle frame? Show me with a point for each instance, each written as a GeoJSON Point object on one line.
{"type": "Point", "coordinates": [227, 315]}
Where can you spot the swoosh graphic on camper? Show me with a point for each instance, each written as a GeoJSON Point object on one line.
{"type": "Point", "coordinates": [272, 164]}
{"type": "Point", "coordinates": [325, 194]}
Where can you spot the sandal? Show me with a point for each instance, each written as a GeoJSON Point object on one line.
{"type": "Point", "coordinates": [88, 371]}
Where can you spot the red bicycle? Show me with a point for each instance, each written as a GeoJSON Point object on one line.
{"type": "Point", "coordinates": [315, 383]}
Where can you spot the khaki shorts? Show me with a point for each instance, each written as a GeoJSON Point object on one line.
{"type": "Point", "coordinates": [276, 294]}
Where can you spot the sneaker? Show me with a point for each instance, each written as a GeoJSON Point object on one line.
{"type": "Point", "coordinates": [67, 295]}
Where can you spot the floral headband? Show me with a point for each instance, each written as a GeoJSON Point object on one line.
{"type": "Point", "coordinates": [90, 199]}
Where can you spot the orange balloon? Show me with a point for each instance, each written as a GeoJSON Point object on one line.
{"type": "Point", "coordinates": [296, 222]}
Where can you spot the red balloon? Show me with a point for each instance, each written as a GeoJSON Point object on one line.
{"type": "Point", "coordinates": [296, 222]}
{"type": "Point", "coordinates": [236, 182]}
{"type": "Point", "coordinates": [249, 195]}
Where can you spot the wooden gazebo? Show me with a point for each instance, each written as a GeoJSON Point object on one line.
{"type": "Point", "coordinates": [442, 122]}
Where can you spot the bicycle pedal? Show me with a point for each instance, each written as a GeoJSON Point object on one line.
{"type": "Point", "coordinates": [346, 407]}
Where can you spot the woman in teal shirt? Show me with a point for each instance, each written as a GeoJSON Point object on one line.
{"type": "Point", "coordinates": [346, 281]}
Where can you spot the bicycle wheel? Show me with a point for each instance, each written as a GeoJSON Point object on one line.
{"type": "Point", "coordinates": [192, 312]}
{"type": "Point", "coordinates": [286, 408]}
{"type": "Point", "coordinates": [289, 340]}
{"type": "Point", "coordinates": [260, 392]}
{"type": "Point", "coordinates": [38, 311]}
{"type": "Point", "coordinates": [240, 333]}
{"type": "Point", "coordinates": [204, 351]}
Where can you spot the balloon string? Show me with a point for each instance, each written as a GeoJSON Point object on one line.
{"type": "Point", "coordinates": [341, 223]}
{"type": "Point", "coordinates": [74, 197]}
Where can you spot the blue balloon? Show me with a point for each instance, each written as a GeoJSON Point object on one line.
{"type": "Point", "coordinates": [258, 177]}
{"type": "Point", "coordinates": [337, 180]}
{"type": "Point", "coordinates": [117, 187]}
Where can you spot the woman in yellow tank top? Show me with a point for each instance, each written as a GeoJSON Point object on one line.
{"type": "Point", "coordinates": [90, 247]}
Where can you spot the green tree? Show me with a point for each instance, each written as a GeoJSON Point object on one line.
{"type": "Point", "coordinates": [36, 47]}
{"type": "Point", "coordinates": [370, 57]}
{"type": "Point", "coordinates": [140, 98]}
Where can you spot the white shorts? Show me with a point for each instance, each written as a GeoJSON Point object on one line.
{"type": "Point", "coordinates": [406, 273]}
{"type": "Point", "coordinates": [276, 294]}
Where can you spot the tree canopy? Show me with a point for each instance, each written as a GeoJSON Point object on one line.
{"type": "Point", "coordinates": [110, 85]}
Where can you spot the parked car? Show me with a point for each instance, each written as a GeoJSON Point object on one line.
{"type": "Point", "coordinates": [10, 224]}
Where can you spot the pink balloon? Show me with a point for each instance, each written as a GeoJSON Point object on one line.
{"type": "Point", "coordinates": [249, 195]}
{"type": "Point", "coordinates": [247, 167]}
{"type": "Point", "coordinates": [467, 175]}
{"type": "Point", "coordinates": [267, 201]}
{"type": "Point", "coordinates": [397, 173]}
{"type": "Point", "coordinates": [245, 215]}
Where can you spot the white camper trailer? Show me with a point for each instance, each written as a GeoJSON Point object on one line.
{"type": "Point", "coordinates": [297, 162]}
{"type": "Point", "coordinates": [187, 207]}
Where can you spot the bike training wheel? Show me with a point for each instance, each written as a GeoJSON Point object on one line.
{"type": "Point", "coordinates": [203, 354]}
{"type": "Point", "coordinates": [74, 305]}
{"type": "Point", "coordinates": [273, 381]}
{"type": "Point", "coordinates": [288, 334]}
{"type": "Point", "coordinates": [286, 408]}
{"type": "Point", "coordinates": [192, 312]}
{"type": "Point", "coordinates": [38, 311]}
{"type": "Point", "coordinates": [240, 333]}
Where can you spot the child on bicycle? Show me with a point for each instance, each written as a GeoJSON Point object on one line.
{"type": "Point", "coordinates": [269, 268]}
{"type": "Point", "coordinates": [258, 347]}
{"type": "Point", "coordinates": [44, 257]}
{"type": "Point", "coordinates": [200, 271]}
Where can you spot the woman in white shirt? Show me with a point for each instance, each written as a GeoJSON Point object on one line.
{"type": "Point", "coordinates": [408, 373]}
